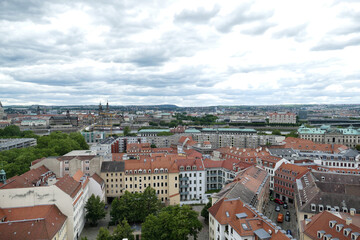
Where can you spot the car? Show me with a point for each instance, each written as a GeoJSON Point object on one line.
{"type": "Point", "coordinates": [280, 218]}
{"type": "Point", "coordinates": [287, 213]}
{"type": "Point", "coordinates": [285, 206]}
{"type": "Point", "coordinates": [287, 218]}
{"type": "Point", "coordinates": [288, 232]}
{"type": "Point", "coordinates": [278, 201]}
{"type": "Point", "coordinates": [277, 208]}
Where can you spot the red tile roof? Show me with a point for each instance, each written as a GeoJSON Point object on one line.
{"type": "Point", "coordinates": [69, 185]}
{"type": "Point", "coordinates": [320, 222]}
{"type": "Point", "coordinates": [33, 177]}
{"type": "Point", "coordinates": [97, 178]}
{"type": "Point", "coordinates": [38, 222]}
{"type": "Point", "coordinates": [308, 145]}
{"type": "Point", "coordinates": [79, 174]}
{"type": "Point", "coordinates": [225, 210]}
{"type": "Point", "coordinates": [293, 168]}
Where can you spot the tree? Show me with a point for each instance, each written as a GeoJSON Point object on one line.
{"type": "Point", "coordinates": [172, 222]}
{"type": "Point", "coordinates": [127, 131]}
{"type": "Point", "coordinates": [358, 147]}
{"type": "Point", "coordinates": [95, 210]}
{"type": "Point", "coordinates": [205, 212]}
{"type": "Point", "coordinates": [276, 132]}
{"type": "Point", "coordinates": [292, 134]}
{"type": "Point", "coordinates": [104, 234]}
{"type": "Point", "coordinates": [134, 207]}
{"type": "Point", "coordinates": [123, 230]}
{"type": "Point", "coordinates": [153, 146]}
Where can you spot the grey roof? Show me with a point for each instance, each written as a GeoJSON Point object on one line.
{"type": "Point", "coordinates": [332, 177]}
{"type": "Point", "coordinates": [281, 151]}
{"type": "Point", "coordinates": [332, 193]}
{"type": "Point", "coordinates": [262, 234]}
{"type": "Point", "coordinates": [351, 153]}
{"type": "Point", "coordinates": [241, 215]}
{"type": "Point", "coordinates": [112, 166]}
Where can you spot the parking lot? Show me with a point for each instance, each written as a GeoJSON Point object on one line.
{"type": "Point", "coordinates": [272, 214]}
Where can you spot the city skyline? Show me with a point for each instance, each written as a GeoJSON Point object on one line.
{"type": "Point", "coordinates": [203, 53]}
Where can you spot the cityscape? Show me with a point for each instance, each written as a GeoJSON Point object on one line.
{"type": "Point", "coordinates": [179, 120]}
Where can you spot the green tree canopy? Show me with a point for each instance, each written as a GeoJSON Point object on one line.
{"type": "Point", "coordinates": [205, 212]}
{"type": "Point", "coordinates": [123, 230]}
{"type": "Point", "coordinates": [172, 222]}
{"type": "Point", "coordinates": [134, 207]}
{"type": "Point", "coordinates": [104, 234]}
{"type": "Point", "coordinates": [95, 210]}
{"type": "Point", "coordinates": [276, 132]}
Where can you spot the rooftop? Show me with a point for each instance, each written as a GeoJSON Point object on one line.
{"type": "Point", "coordinates": [37, 222]}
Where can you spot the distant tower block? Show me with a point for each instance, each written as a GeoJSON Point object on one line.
{"type": "Point", "coordinates": [107, 106]}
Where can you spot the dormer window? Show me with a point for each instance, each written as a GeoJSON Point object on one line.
{"type": "Point", "coordinates": [332, 223]}
{"type": "Point", "coordinates": [328, 207]}
{"type": "Point", "coordinates": [161, 170]}
{"type": "Point", "coordinates": [188, 168]}
{"type": "Point", "coordinates": [156, 170]}
{"type": "Point", "coordinates": [321, 208]}
{"type": "Point", "coordinates": [339, 227]}
{"type": "Point", "coordinates": [337, 209]}
{"type": "Point", "coordinates": [194, 168]}
{"type": "Point", "coordinates": [166, 170]}
{"type": "Point", "coordinates": [320, 233]}
{"type": "Point", "coordinates": [344, 209]}
{"type": "Point", "coordinates": [327, 237]}
{"type": "Point", "coordinates": [354, 235]}
{"type": "Point", "coordinates": [130, 171]}
{"type": "Point", "coordinates": [313, 207]}
{"type": "Point", "coordinates": [149, 171]}
{"type": "Point", "coordinates": [181, 168]}
{"type": "Point", "coordinates": [126, 172]}
{"type": "Point", "coordinates": [347, 231]}
{"type": "Point", "coordinates": [140, 171]}
{"type": "Point", "coordinates": [135, 171]}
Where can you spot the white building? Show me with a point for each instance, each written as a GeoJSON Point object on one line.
{"type": "Point", "coordinates": [235, 220]}
{"type": "Point", "coordinates": [288, 117]}
{"type": "Point", "coordinates": [40, 187]}
{"type": "Point", "coordinates": [192, 181]}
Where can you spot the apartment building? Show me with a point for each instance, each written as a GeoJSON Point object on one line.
{"type": "Point", "coordinates": [331, 225]}
{"type": "Point", "coordinates": [250, 185]}
{"type": "Point", "coordinates": [305, 145]}
{"type": "Point", "coordinates": [34, 222]}
{"type": "Point", "coordinates": [113, 175]}
{"type": "Point", "coordinates": [88, 164]}
{"type": "Point", "coordinates": [157, 171]}
{"type": "Point", "coordinates": [285, 180]}
{"type": "Point", "coordinates": [270, 164]}
{"type": "Point", "coordinates": [317, 192]}
{"type": "Point", "coordinates": [192, 178]}
{"type": "Point", "coordinates": [40, 187]}
{"type": "Point", "coordinates": [7, 144]}
{"type": "Point", "coordinates": [234, 219]}
{"type": "Point", "coordinates": [282, 117]}
{"type": "Point", "coordinates": [221, 172]}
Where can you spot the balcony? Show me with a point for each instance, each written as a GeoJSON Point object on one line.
{"type": "Point", "coordinates": [184, 178]}
{"type": "Point", "coordinates": [184, 193]}
{"type": "Point", "coordinates": [184, 185]}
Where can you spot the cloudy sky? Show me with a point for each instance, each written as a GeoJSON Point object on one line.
{"type": "Point", "coordinates": [188, 53]}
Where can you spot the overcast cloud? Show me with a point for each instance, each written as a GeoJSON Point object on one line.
{"type": "Point", "coordinates": [188, 53]}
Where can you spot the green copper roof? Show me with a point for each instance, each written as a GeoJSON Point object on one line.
{"type": "Point", "coordinates": [229, 130]}
{"type": "Point", "coordinates": [153, 130]}
{"type": "Point", "coordinates": [192, 130]}
{"type": "Point", "coordinates": [326, 128]}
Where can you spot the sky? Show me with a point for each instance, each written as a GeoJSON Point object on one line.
{"type": "Point", "coordinates": [188, 53]}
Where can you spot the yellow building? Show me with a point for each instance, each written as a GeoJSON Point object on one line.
{"type": "Point", "coordinates": [157, 171]}
{"type": "Point", "coordinates": [113, 175]}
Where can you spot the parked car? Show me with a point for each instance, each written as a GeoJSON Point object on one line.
{"type": "Point", "coordinates": [277, 208]}
{"type": "Point", "coordinates": [285, 206]}
{"type": "Point", "coordinates": [288, 232]}
{"type": "Point", "coordinates": [278, 201]}
{"type": "Point", "coordinates": [287, 213]}
{"type": "Point", "coordinates": [280, 218]}
{"type": "Point", "coordinates": [287, 218]}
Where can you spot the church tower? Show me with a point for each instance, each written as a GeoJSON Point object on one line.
{"type": "Point", "coordinates": [2, 176]}
{"type": "Point", "coordinates": [2, 113]}
{"type": "Point", "coordinates": [107, 106]}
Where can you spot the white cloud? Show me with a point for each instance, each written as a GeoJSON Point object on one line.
{"type": "Point", "coordinates": [182, 52]}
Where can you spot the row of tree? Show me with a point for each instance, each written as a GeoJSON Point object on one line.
{"type": "Point", "coordinates": [17, 161]}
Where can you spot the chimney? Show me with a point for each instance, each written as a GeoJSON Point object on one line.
{"type": "Point", "coordinates": [352, 211]}
{"type": "Point", "coordinates": [348, 220]}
